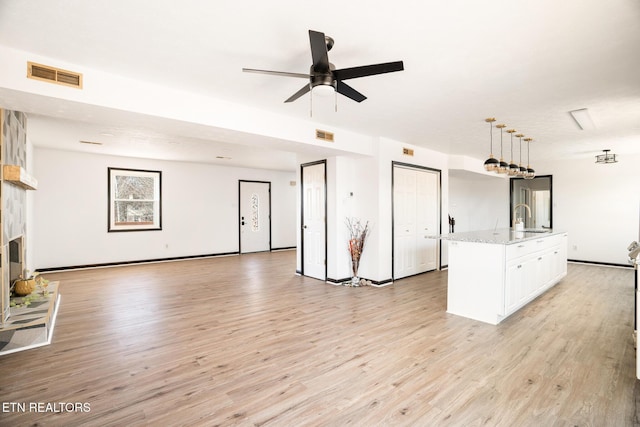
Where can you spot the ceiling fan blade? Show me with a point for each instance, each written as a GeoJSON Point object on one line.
{"type": "Point", "coordinates": [368, 70]}
{"type": "Point", "coordinates": [298, 94]}
{"type": "Point", "coordinates": [319, 51]}
{"type": "Point", "coordinates": [349, 92]}
{"type": "Point", "coordinates": [276, 73]}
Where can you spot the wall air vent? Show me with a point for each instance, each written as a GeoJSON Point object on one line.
{"type": "Point", "coordinates": [324, 135]}
{"type": "Point", "coordinates": [54, 75]}
{"type": "Point", "coordinates": [407, 151]}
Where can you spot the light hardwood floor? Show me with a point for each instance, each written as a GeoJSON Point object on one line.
{"type": "Point", "coordinates": [241, 340]}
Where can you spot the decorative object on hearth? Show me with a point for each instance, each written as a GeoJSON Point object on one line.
{"type": "Point", "coordinates": [25, 284]}
{"type": "Point", "coordinates": [357, 236]}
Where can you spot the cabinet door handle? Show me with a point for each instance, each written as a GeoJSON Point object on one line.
{"type": "Point", "coordinates": [521, 246]}
{"type": "Point", "coordinates": [519, 265]}
{"type": "Point", "coordinates": [540, 259]}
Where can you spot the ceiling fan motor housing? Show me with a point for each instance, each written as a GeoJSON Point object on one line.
{"type": "Point", "coordinates": [324, 79]}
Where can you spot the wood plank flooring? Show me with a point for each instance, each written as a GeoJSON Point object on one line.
{"type": "Point", "coordinates": [243, 341]}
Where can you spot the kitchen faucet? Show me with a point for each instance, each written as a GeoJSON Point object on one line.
{"type": "Point", "coordinates": [513, 222]}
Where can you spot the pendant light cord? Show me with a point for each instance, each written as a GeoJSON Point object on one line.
{"type": "Point", "coordinates": [491, 138]}
{"type": "Point", "coordinates": [511, 133]}
{"type": "Point", "coordinates": [520, 150]}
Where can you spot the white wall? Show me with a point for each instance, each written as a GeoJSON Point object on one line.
{"type": "Point", "coordinates": [369, 179]}
{"type": "Point", "coordinates": [377, 260]}
{"type": "Point", "coordinates": [103, 89]}
{"type": "Point", "coordinates": [597, 204]}
{"type": "Point", "coordinates": [199, 210]}
{"type": "Point", "coordinates": [478, 202]}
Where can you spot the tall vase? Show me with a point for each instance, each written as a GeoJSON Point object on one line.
{"type": "Point", "coordinates": [355, 264]}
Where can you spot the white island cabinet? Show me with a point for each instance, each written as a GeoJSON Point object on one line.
{"type": "Point", "coordinates": [494, 273]}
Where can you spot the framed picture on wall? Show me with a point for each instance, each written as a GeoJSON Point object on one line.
{"type": "Point", "coordinates": [135, 202]}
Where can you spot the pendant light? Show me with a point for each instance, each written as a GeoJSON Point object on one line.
{"type": "Point", "coordinates": [491, 164]}
{"type": "Point", "coordinates": [513, 168]}
{"type": "Point", "coordinates": [503, 166]}
{"type": "Point", "coordinates": [521, 169]}
{"type": "Point", "coordinates": [606, 157]}
{"type": "Point", "coordinates": [530, 174]}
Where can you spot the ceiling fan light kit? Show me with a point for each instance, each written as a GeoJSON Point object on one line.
{"type": "Point", "coordinates": [502, 167]}
{"type": "Point", "coordinates": [323, 74]}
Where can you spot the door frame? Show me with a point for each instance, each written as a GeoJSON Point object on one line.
{"type": "Point", "coordinates": [302, 166]}
{"type": "Point", "coordinates": [240, 181]}
{"type": "Point", "coordinates": [404, 165]}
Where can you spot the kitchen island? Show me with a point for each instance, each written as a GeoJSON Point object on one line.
{"type": "Point", "coordinates": [493, 273]}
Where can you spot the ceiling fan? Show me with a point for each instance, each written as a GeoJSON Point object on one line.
{"type": "Point", "coordinates": [323, 73]}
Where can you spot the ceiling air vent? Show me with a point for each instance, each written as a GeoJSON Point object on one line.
{"type": "Point", "coordinates": [54, 75]}
{"type": "Point", "coordinates": [324, 135]}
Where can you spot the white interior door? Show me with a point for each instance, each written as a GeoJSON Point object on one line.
{"type": "Point", "coordinates": [427, 218]}
{"type": "Point", "coordinates": [416, 207]}
{"type": "Point", "coordinates": [313, 221]}
{"type": "Point", "coordinates": [404, 218]}
{"type": "Point", "coordinates": [255, 216]}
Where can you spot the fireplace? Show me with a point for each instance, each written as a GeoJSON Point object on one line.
{"type": "Point", "coordinates": [16, 259]}
{"type": "Point", "coordinates": [13, 258]}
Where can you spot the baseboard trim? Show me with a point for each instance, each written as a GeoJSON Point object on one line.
{"type": "Point", "coordinates": [285, 248]}
{"type": "Point", "coordinates": [121, 263]}
{"type": "Point", "coordinates": [375, 283]}
{"type": "Point", "coordinates": [338, 281]}
{"type": "Point", "coordinates": [382, 283]}
{"type": "Point", "coordinates": [605, 264]}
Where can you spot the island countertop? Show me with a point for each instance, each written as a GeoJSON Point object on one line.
{"type": "Point", "coordinates": [494, 273]}
{"type": "Point", "coordinates": [499, 236]}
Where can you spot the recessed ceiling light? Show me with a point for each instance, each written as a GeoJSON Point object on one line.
{"type": "Point", "coordinates": [583, 119]}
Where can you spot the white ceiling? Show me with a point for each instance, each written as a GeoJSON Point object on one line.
{"type": "Point", "coordinates": [528, 63]}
